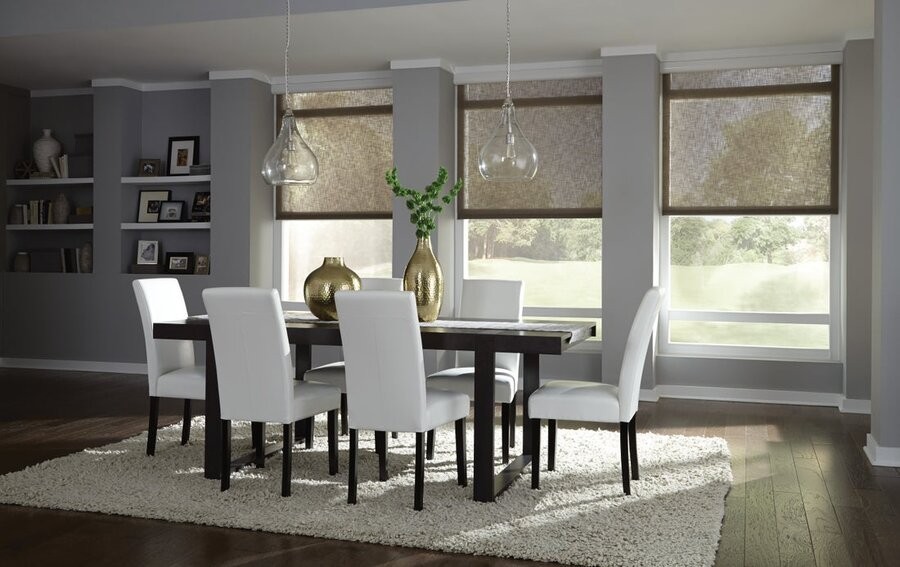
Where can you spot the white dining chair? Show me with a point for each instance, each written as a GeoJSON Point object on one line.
{"type": "Point", "coordinates": [333, 373]}
{"type": "Point", "coordinates": [172, 371]}
{"type": "Point", "coordinates": [255, 374]}
{"type": "Point", "coordinates": [386, 380]}
{"type": "Point", "coordinates": [596, 402]}
{"type": "Point", "coordinates": [487, 299]}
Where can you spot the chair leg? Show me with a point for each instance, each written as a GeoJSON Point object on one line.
{"type": "Point", "coordinates": [351, 475]}
{"type": "Point", "coordinates": [394, 435]}
{"type": "Point", "coordinates": [151, 427]}
{"type": "Point", "coordinates": [512, 423]}
{"type": "Point", "coordinates": [419, 488]}
{"type": "Point", "coordinates": [332, 442]}
{"type": "Point", "coordinates": [226, 455]}
{"type": "Point", "coordinates": [429, 453]}
{"type": "Point", "coordinates": [551, 444]}
{"type": "Point", "coordinates": [623, 437]}
{"type": "Point", "coordinates": [286, 455]}
{"type": "Point", "coordinates": [258, 433]}
{"type": "Point", "coordinates": [535, 453]}
{"type": "Point", "coordinates": [310, 431]}
{"type": "Point", "coordinates": [381, 449]}
{"type": "Point", "coordinates": [461, 476]}
{"type": "Point", "coordinates": [504, 431]}
{"type": "Point", "coordinates": [186, 423]}
{"type": "Point", "coordinates": [344, 424]}
{"type": "Point", "coordinates": [632, 445]}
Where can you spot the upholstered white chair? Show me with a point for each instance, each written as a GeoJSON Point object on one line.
{"type": "Point", "coordinates": [333, 373]}
{"type": "Point", "coordinates": [172, 371]}
{"type": "Point", "coordinates": [596, 402]}
{"type": "Point", "coordinates": [487, 299]}
{"type": "Point", "coordinates": [386, 380]}
{"type": "Point", "coordinates": [253, 364]}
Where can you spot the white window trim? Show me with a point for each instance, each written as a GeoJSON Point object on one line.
{"type": "Point", "coordinates": [832, 319]}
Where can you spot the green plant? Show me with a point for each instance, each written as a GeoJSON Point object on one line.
{"type": "Point", "coordinates": [422, 203]}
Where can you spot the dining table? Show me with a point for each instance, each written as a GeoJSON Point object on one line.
{"type": "Point", "coordinates": [485, 338]}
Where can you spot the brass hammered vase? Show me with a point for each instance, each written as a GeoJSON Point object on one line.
{"type": "Point", "coordinates": [322, 283]}
{"type": "Point", "coordinates": [424, 278]}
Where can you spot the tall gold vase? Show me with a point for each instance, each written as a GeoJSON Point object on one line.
{"type": "Point", "coordinates": [424, 278]}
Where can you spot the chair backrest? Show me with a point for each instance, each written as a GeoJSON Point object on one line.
{"type": "Point", "coordinates": [383, 359]}
{"type": "Point", "coordinates": [492, 299]}
{"type": "Point", "coordinates": [160, 299]}
{"type": "Point", "coordinates": [253, 357]}
{"type": "Point", "coordinates": [382, 284]}
{"type": "Point", "coordinates": [636, 351]}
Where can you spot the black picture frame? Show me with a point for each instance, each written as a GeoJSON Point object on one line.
{"type": "Point", "coordinates": [183, 152]}
{"type": "Point", "coordinates": [171, 211]}
{"type": "Point", "coordinates": [179, 262]}
{"type": "Point", "coordinates": [200, 209]}
{"type": "Point", "coordinates": [149, 202]}
{"type": "Point", "coordinates": [149, 167]}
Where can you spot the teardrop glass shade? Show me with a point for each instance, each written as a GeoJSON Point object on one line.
{"type": "Point", "coordinates": [508, 155]}
{"type": "Point", "coordinates": [290, 161]}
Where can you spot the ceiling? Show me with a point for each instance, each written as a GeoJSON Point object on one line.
{"type": "Point", "coordinates": [49, 44]}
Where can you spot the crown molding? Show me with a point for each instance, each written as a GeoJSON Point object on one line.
{"type": "Point", "coordinates": [150, 87]}
{"type": "Point", "coordinates": [775, 56]}
{"type": "Point", "coordinates": [333, 82]}
{"type": "Point", "coordinates": [421, 64]}
{"type": "Point", "coordinates": [240, 74]}
{"type": "Point", "coordinates": [579, 69]}
{"type": "Point", "coordinates": [620, 50]}
{"type": "Point", "coordinates": [45, 93]}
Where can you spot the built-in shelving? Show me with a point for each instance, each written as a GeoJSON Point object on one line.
{"type": "Point", "coordinates": [165, 225]}
{"type": "Point", "coordinates": [79, 226]}
{"type": "Point", "coordinates": [50, 181]}
{"type": "Point", "coordinates": [167, 180]}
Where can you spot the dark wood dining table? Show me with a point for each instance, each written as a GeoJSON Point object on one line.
{"type": "Point", "coordinates": [555, 338]}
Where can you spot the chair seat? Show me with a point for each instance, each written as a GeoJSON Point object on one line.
{"type": "Point", "coordinates": [332, 374]}
{"type": "Point", "coordinates": [311, 398]}
{"type": "Point", "coordinates": [575, 400]}
{"type": "Point", "coordinates": [462, 380]}
{"type": "Point", "coordinates": [188, 382]}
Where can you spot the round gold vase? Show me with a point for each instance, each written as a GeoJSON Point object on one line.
{"type": "Point", "coordinates": [424, 278]}
{"type": "Point", "coordinates": [322, 283]}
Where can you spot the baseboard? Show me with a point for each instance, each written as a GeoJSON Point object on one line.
{"type": "Point", "coordinates": [76, 365]}
{"type": "Point", "coordinates": [790, 397]}
{"type": "Point", "coordinates": [849, 405]}
{"type": "Point", "coordinates": [649, 395]}
{"type": "Point", "coordinates": [881, 456]}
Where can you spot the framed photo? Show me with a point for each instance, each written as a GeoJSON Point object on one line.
{"type": "Point", "coordinates": [171, 211]}
{"type": "Point", "coordinates": [183, 152]}
{"type": "Point", "coordinates": [148, 204]}
{"type": "Point", "coordinates": [148, 252]}
{"type": "Point", "coordinates": [148, 167]}
{"type": "Point", "coordinates": [200, 209]}
{"type": "Point", "coordinates": [202, 264]}
{"type": "Point", "coordinates": [180, 262]}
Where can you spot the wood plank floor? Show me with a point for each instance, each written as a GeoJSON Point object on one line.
{"type": "Point", "coordinates": [804, 493]}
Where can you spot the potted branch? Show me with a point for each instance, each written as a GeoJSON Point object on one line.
{"type": "Point", "coordinates": [423, 274]}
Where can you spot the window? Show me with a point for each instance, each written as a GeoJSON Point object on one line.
{"type": "Point", "coordinates": [546, 232]}
{"type": "Point", "coordinates": [347, 211]}
{"type": "Point", "coordinates": [750, 198]}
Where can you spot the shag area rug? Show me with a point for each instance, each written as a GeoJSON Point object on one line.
{"type": "Point", "coordinates": [580, 516]}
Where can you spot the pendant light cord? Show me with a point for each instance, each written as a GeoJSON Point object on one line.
{"type": "Point", "coordinates": [287, 44]}
{"type": "Point", "coordinates": [507, 49]}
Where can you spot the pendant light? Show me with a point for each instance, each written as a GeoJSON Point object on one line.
{"type": "Point", "coordinates": [289, 161]}
{"type": "Point", "coordinates": [508, 155]}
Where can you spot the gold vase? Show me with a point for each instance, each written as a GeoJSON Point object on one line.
{"type": "Point", "coordinates": [322, 283]}
{"type": "Point", "coordinates": [424, 278]}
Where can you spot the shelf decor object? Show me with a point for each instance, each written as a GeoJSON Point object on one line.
{"type": "Point", "coordinates": [289, 161]}
{"type": "Point", "coordinates": [171, 211]}
{"type": "Point", "coordinates": [180, 262]}
{"type": "Point", "coordinates": [508, 155]}
{"type": "Point", "coordinates": [322, 283]}
{"type": "Point", "coordinates": [45, 149]}
{"type": "Point", "coordinates": [148, 167]}
{"type": "Point", "coordinates": [184, 151]}
{"type": "Point", "coordinates": [148, 204]}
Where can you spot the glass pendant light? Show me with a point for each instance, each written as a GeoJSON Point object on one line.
{"type": "Point", "coordinates": [289, 161]}
{"type": "Point", "coordinates": [508, 155]}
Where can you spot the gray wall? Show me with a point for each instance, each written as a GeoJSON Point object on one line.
{"type": "Point", "coordinates": [170, 114]}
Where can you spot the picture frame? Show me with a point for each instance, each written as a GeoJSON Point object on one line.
{"type": "Point", "coordinates": [179, 262]}
{"type": "Point", "coordinates": [184, 151]}
{"type": "Point", "coordinates": [201, 264]}
{"type": "Point", "coordinates": [200, 209]}
{"type": "Point", "coordinates": [149, 202]}
{"type": "Point", "coordinates": [148, 252]}
{"type": "Point", "coordinates": [149, 167]}
{"type": "Point", "coordinates": [171, 211]}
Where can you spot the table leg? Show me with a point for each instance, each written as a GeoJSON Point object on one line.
{"type": "Point", "coordinates": [532, 373]}
{"type": "Point", "coordinates": [212, 444]}
{"type": "Point", "coordinates": [304, 363]}
{"type": "Point", "coordinates": [484, 425]}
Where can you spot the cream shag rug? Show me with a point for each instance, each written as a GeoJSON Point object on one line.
{"type": "Point", "coordinates": [580, 515]}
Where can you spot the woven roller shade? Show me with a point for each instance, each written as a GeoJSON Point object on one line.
{"type": "Point", "coordinates": [562, 119]}
{"type": "Point", "coordinates": [351, 133]}
{"type": "Point", "coordinates": [751, 141]}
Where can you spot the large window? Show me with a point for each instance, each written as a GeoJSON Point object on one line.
{"type": "Point", "coordinates": [347, 211]}
{"type": "Point", "coordinates": [546, 232]}
{"type": "Point", "coordinates": [750, 203]}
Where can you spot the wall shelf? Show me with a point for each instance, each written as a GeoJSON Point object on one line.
{"type": "Point", "coordinates": [165, 225]}
{"type": "Point", "coordinates": [166, 180]}
{"type": "Point", "coordinates": [50, 181]}
{"type": "Point", "coordinates": [79, 226]}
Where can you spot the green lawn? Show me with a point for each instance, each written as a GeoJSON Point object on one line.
{"type": "Point", "coordinates": [547, 284]}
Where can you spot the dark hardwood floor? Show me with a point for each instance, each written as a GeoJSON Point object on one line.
{"type": "Point", "coordinates": [804, 494]}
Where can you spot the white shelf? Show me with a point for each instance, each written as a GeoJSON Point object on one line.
{"type": "Point", "coordinates": [50, 181]}
{"type": "Point", "coordinates": [165, 226]}
{"type": "Point", "coordinates": [166, 180]}
{"type": "Point", "coordinates": [79, 226]}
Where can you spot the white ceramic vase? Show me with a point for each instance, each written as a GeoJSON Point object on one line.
{"type": "Point", "coordinates": [45, 148]}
